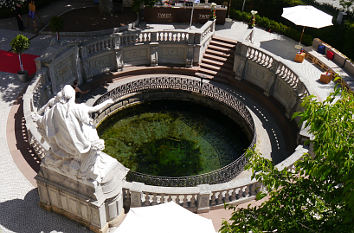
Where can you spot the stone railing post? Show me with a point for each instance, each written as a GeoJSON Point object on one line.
{"type": "Point", "coordinates": [273, 70]}
{"type": "Point", "coordinates": [203, 198]}
{"type": "Point", "coordinates": [153, 37]}
{"type": "Point", "coordinates": [135, 194]}
{"type": "Point", "coordinates": [197, 38]}
{"type": "Point", "coordinates": [240, 60]}
{"type": "Point", "coordinates": [190, 55]}
{"type": "Point", "coordinates": [154, 56]}
{"type": "Point", "coordinates": [119, 59]}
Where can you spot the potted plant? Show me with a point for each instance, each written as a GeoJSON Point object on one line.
{"type": "Point", "coordinates": [18, 45]}
{"type": "Point", "coordinates": [213, 11]}
{"type": "Point", "coordinates": [56, 24]}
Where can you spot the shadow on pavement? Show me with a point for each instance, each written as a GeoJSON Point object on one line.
{"type": "Point", "coordinates": [282, 48]}
{"type": "Point", "coordinates": [10, 87]}
{"type": "Point", "coordinates": [27, 217]}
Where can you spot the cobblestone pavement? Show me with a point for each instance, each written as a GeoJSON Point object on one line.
{"type": "Point", "coordinates": [19, 210]}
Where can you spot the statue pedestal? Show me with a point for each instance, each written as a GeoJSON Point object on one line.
{"type": "Point", "coordinates": [97, 205]}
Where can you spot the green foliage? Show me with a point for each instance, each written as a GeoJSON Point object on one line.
{"type": "Point", "coordinates": [19, 44]}
{"type": "Point", "coordinates": [346, 4]}
{"type": "Point", "coordinates": [8, 6]}
{"type": "Point", "coordinates": [318, 196]}
{"type": "Point", "coordinates": [56, 24]}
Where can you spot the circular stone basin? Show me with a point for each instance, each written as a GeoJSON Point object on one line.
{"type": "Point", "coordinates": [172, 138]}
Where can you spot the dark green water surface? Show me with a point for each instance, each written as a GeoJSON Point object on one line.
{"type": "Point", "coordinates": [172, 138]}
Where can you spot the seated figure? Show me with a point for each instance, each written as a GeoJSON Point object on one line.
{"type": "Point", "coordinates": [75, 148]}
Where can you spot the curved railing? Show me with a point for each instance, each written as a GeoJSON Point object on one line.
{"type": "Point", "coordinates": [196, 198]}
{"type": "Point", "coordinates": [280, 70]}
{"type": "Point", "coordinates": [199, 86]}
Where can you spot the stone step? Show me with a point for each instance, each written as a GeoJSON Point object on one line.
{"type": "Point", "coordinates": [224, 40]}
{"type": "Point", "coordinates": [217, 53]}
{"type": "Point", "coordinates": [203, 75]}
{"type": "Point", "coordinates": [218, 78]}
{"type": "Point", "coordinates": [217, 63]}
{"type": "Point", "coordinates": [222, 44]}
{"type": "Point", "coordinates": [216, 58]}
{"type": "Point", "coordinates": [219, 49]}
{"type": "Point", "coordinates": [216, 68]}
{"type": "Point", "coordinates": [207, 71]}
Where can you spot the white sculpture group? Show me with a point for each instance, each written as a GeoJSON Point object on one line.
{"type": "Point", "coordinates": [75, 148]}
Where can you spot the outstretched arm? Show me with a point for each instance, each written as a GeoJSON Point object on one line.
{"type": "Point", "coordinates": [100, 106]}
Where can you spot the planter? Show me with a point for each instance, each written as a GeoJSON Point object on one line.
{"type": "Point", "coordinates": [23, 76]}
{"type": "Point", "coordinates": [326, 78]}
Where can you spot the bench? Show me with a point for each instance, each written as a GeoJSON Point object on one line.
{"type": "Point", "coordinates": [340, 65]}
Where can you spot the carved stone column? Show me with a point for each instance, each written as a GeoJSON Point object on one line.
{"type": "Point", "coordinates": [119, 58]}
{"type": "Point", "coordinates": [203, 198]}
{"type": "Point", "coordinates": [135, 195]}
{"type": "Point", "coordinates": [154, 56]}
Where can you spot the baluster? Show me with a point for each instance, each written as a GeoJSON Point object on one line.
{"type": "Point", "coordinates": [252, 188]}
{"type": "Point", "coordinates": [213, 199]}
{"type": "Point", "coordinates": [162, 198]}
{"type": "Point", "coordinates": [219, 200]}
{"type": "Point", "coordinates": [245, 191]}
{"type": "Point", "coordinates": [147, 199]}
{"type": "Point", "coordinates": [193, 200]}
{"type": "Point", "coordinates": [185, 201]}
{"type": "Point", "coordinates": [177, 200]}
{"type": "Point", "coordinates": [169, 198]}
{"type": "Point", "coordinates": [238, 193]}
{"type": "Point", "coordinates": [227, 196]}
{"type": "Point", "coordinates": [154, 199]}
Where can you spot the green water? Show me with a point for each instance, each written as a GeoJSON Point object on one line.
{"type": "Point", "coordinates": [172, 138]}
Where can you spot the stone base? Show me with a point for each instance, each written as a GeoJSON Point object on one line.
{"type": "Point", "coordinates": [96, 205]}
{"type": "Point", "coordinates": [74, 218]}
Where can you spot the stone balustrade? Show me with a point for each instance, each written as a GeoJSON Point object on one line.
{"type": "Point", "coordinates": [251, 64]}
{"type": "Point", "coordinates": [33, 99]}
{"type": "Point", "coordinates": [204, 197]}
{"type": "Point", "coordinates": [271, 75]}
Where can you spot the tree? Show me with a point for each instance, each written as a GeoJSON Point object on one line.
{"type": "Point", "coordinates": [10, 3]}
{"type": "Point", "coordinates": [318, 196]}
{"type": "Point", "coordinates": [56, 24]}
{"type": "Point", "coordinates": [18, 45]}
{"type": "Point", "coordinates": [346, 4]}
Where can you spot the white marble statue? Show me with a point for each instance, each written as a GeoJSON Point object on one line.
{"type": "Point", "coordinates": [75, 148]}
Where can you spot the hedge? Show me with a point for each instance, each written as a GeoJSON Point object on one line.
{"type": "Point", "coordinates": [272, 26]}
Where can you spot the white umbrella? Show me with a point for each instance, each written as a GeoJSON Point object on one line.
{"type": "Point", "coordinates": [164, 218]}
{"type": "Point", "coordinates": [307, 16]}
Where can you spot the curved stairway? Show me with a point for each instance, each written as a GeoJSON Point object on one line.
{"type": "Point", "coordinates": [218, 60]}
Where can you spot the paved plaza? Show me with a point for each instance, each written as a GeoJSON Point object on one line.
{"type": "Point", "coordinates": [19, 210]}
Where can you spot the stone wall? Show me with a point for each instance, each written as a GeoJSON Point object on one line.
{"type": "Point", "coordinates": [272, 76]}
{"type": "Point", "coordinates": [83, 61]}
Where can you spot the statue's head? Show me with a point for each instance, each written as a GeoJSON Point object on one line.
{"type": "Point", "coordinates": [67, 94]}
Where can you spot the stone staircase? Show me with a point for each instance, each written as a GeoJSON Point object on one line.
{"type": "Point", "coordinates": [218, 60]}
